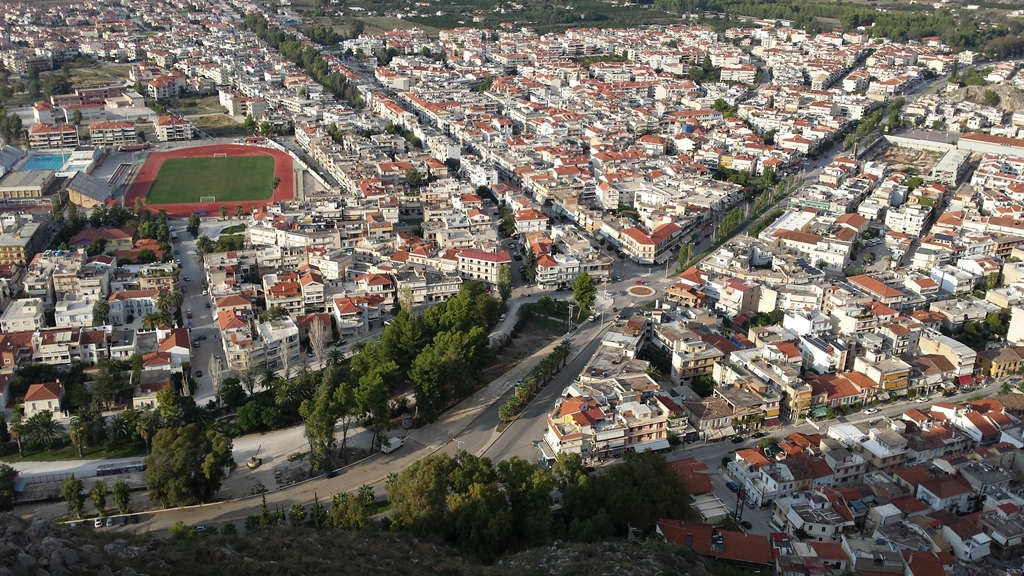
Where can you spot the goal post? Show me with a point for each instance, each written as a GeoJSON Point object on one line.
{"type": "Point", "coordinates": [207, 198]}
{"type": "Point", "coordinates": [220, 154]}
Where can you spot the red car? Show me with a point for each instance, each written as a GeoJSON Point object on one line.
{"type": "Point", "coordinates": [639, 282]}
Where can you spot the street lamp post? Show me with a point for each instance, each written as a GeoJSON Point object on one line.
{"type": "Point", "coordinates": [458, 443]}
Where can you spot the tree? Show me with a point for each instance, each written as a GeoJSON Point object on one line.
{"type": "Point", "coordinates": [266, 129]}
{"type": "Point", "coordinates": [232, 393]}
{"type": "Point", "coordinates": [223, 212]}
{"type": "Point", "coordinates": [685, 253]}
{"type": "Point", "coordinates": [204, 245]}
{"type": "Point", "coordinates": [275, 183]}
{"type": "Point", "coordinates": [110, 380]}
{"type": "Point", "coordinates": [249, 124]}
{"type": "Point", "coordinates": [178, 531]}
{"type": "Point", "coordinates": [122, 497]}
{"type": "Point", "coordinates": [413, 177]}
{"type": "Point", "coordinates": [248, 377]}
{"type": "Point", "coordinates": [584, 293]}
{"type": "Point", "coordinates": [990, 98]}
{"type": "Point", "coordinates": [76, 118]}
{"type": "Point", "coordinates": [239, 211]}
{"type": "Point", "coordinates": [297, 513]}
{"type": "Point", "coordinates": [216, 369]}
{"type": "Point", "coordinates": [100, 311]}
{"type": "Point", "coordinates": [145, 256]}
{"type": "Point", "coordinates": [186, 465]}
{"type": "Point", "coordinates": [71, 492]}
{"type": "Point", "coordinates": [505, 283]}
{"type": "Point", "coordinates": [77, 428]}
{"type": "Point", "coordinates": [318, 336]}
{"type": "Point", "coordinates": [703, 385]}
{"type": "Point", "coordinates": [43, 430]}
{"type": "Point", "coordinates": [320, 415]}
{"type": "Point", "coordinates": [531, 265]}
{"type": "Point", "coordinates": [8, 478]}
{"type": "Point", "coordinates": [17, 429]}
{"type": "Point", "coordinates": [193, 225]}
{"type": "Point", "coordinates": [98, 495]}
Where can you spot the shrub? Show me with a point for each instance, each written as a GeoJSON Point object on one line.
{"type": "Point", "coordinates": [178, 531]}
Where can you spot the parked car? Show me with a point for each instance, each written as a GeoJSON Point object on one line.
{"type": "Point", "coordinates": [639, 282]}
{"type": "Point", "coordinates": [501, 318]}
{"type": "Point", "coordinates": [110, 521]}
{"type": "Point", "coordinates": [98, 523]}
{"type": "Point", "coordinates": [185, 278]}
{"type": "Point", "coordinates": [871, 411]}
{"type": "Point", "coordinates": [618, 278]}
{"type": "Point", "coordinates": [922, 400]}
{"type": "Point", "coordinates": [135, 519]}
{"type": "Point", "coordinates": [737, 439]}
{"type": "Point", "coordinates": [124, 521]}
{"type": "Point", "coordinates": [199, 528]}
{"type": "Point", "coordinates": [199, 373]}
{"type": "Point", "coordinates": [207, 304]}
{"type": "Point", "coordinates": [332, 474]}
{"type": "Point", "coordinates": [757, 435]}
{"type": "Point", "coordinates": [746, 525]}
{"type": "Point", "coordinates": [732, 486]}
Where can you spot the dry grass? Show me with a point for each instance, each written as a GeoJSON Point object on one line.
{"type": "Point", "coordinates": [290, 550]}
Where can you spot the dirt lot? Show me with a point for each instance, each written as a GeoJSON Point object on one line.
{"type": "Point", "coordinates": [539, 332]}
{"type": "Point", "coordinates": [913, 162]}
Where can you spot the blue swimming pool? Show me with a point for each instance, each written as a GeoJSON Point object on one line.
{"type": "Point", "coordinates": [44, 162]}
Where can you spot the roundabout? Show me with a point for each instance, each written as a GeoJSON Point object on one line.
{"type": "Point", "coordinates": [641, 291]}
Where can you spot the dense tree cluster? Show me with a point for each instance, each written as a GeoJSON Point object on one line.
{"type": "Point", "coordinates": [306, 56]}
{"type": "Point", "coordinates": [486, 509]}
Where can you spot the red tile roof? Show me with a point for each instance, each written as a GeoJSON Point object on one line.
{"type": "Point", "coordinates": [737, 546]}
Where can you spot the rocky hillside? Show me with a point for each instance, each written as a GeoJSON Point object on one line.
{"type": "Point", "coordinates": [39, 548]}
{"type": "Point", "coordinates": [1010, 99]}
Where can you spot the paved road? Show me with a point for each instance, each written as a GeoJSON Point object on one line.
{"type": "Point", "coordinates": [468, 426]}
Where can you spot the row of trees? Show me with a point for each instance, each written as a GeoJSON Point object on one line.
{"type": "Point", "coordinates": [541, 374]}
{"type": "Point", "coordinates": [487, 510]}
{"type": "Point", "coordinates": [306, 56]}
{"type": "Point", "coordinates": [732, 220]}
{"type": "Point", "coordinates": [71, 491]}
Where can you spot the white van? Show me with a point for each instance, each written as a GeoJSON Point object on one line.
{"type": "Point", "coordinates": [391, 444]}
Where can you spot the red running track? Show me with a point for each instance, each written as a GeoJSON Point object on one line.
{"type": "Point", "coordinates": [147, 175]}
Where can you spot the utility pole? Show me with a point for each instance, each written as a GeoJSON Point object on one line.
{"type": "Point", "coordinates": [569, 319]}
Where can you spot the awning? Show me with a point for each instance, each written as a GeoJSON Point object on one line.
{"type": "Point", "coordinates": [819, 412]}
{"type": "Point", "coordinates": [661, 444]}
{"type": "Point", "coordinates": [545, 451]}
{"type": "Point", "coordinates": [771, 422]}
{"type": "Point", "coordinates": [965, 380]}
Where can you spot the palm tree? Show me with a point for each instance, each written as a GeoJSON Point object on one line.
{"type": "Point", "coordinates": [204, 245]}
{"type": "Point", "coordinates": [239, 211]}
{"type": "Point", "coordinates": [151, 320]}
{"type": "Point", "coordinates": [268, 378]}
{"type": "Point", "coordinates": [122, 426]}
{"type": "Point", "coordinates": [290, 393]}
{"type": "Point", "coordinates": [176, 298]}
{"type": "Point", "coordinates": [77, 428]}
{"type": "Point", "coordinates": [17, 431]}
{"type": "Point", "coordinates": [43, 429]}
{"type": "Point", "coordinates": [334, 357]}
{"type": "Point", "coordinates": [145, 426]}
{"type": "Point", "coordinates": [162, 301]}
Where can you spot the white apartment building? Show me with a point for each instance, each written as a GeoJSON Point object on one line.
{"type": "Point", "coordinates": [23, 316]}
{"type": "Point", "coordinates": [172, 128]}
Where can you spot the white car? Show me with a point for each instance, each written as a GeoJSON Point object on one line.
{"type": "Point", "coordinates": [871, 411]}
{"type": "Point", "coordinates": [922, 400]}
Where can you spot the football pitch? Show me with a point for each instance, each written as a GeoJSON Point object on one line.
{"type": "Point", "coordinates": [186, 180]}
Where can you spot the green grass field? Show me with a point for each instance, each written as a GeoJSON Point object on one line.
{"type": "Point", "coordinates": [184, 180]}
